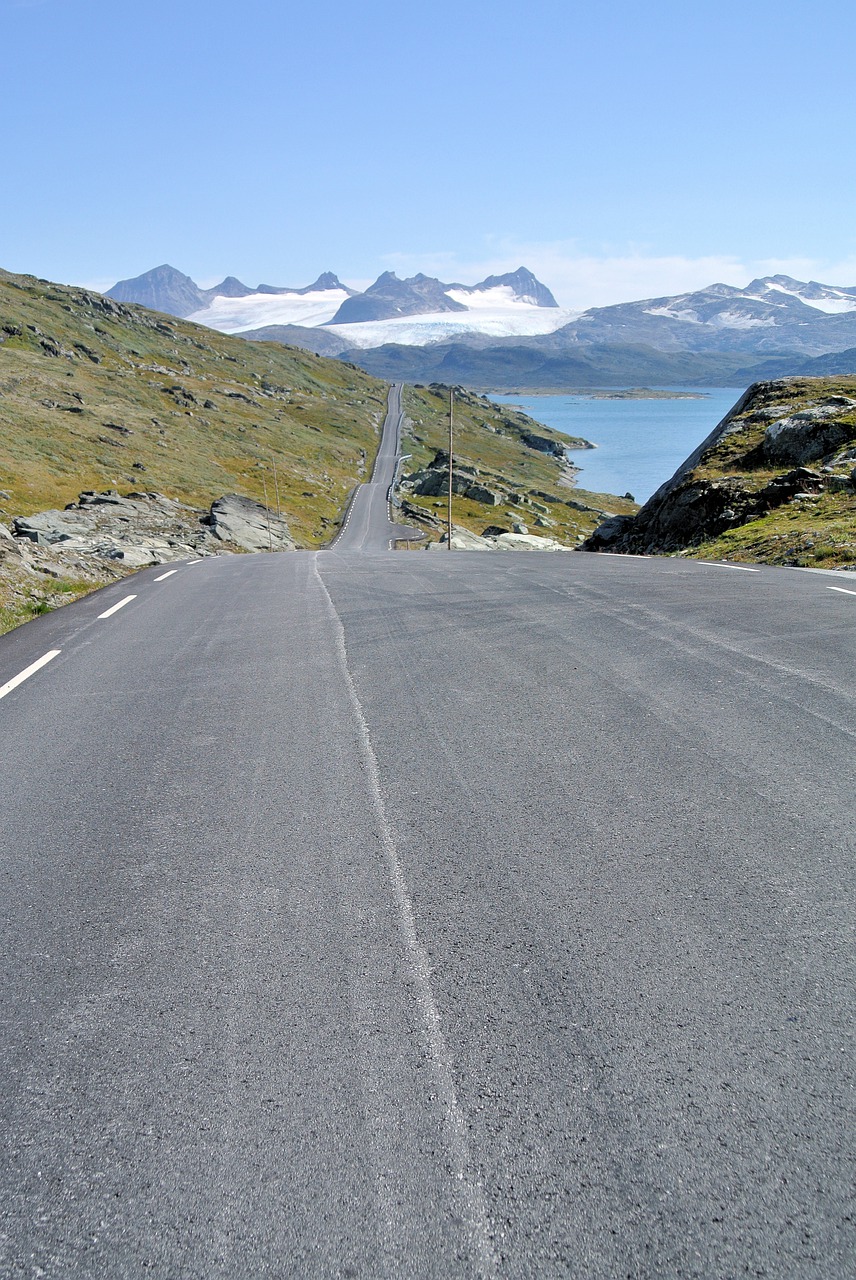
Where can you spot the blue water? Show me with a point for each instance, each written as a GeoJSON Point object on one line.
{"type": "Point", "coordinates": [640, 443]}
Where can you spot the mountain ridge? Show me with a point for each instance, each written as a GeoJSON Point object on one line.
{"type": "Point", "coordinates": [507, 332]}
{"type": "Point", "coordinates": [167, 289]}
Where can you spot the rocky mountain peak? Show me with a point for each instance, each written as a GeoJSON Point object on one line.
{"type": "Point", "coordinates": [162, 289]}
{"type": "Point", "coordinates": [327, 280]}
{"type": "Point", "coordinates": [524, 286]}
{"type": "Point", "coordinates": [231, 287]}
{"type": "Point", "coordinates": [390, 297]}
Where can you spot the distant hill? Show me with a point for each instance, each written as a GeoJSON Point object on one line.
{"type": "Point", "coordinates": [512, 366]}
{"type": "Point", "coordinates": [834, 362]}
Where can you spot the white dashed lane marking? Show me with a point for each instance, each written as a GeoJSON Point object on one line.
{"type": "Point", "coordinates": [742, 567]}
{"type": "Point", "coordinates": [28, 671]}
{"type": "Point", "coordinates": [843, 591]}
{"type": "Point", "coordinates": [168, 574]}
{"type": "Point", "coordinates": [116, 607]}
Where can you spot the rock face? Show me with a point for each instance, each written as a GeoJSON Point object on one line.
{"type": "Point", "coordinates": [163, 289]}
{"type": "Point", "coordinates": [248, 525]}
{"type": "Point", "coordinates": [523, 284]}
{"type": "Point", "coordinates": [8, 546]}
{"type": "Point", "coordinates": [465, 540]}
{"type": "Point", "coordinates": [433, 481]}
{"type": "Point", "coordinates": [389, 297]}
{"type": "Point", "coordinates": [754, 463]}
{"type": "Point", "coordinates": [811, 435]}
{"type": "Point", "coordinates": [145, 528]}
{"type": "Point", "coordinates": [543, 444]}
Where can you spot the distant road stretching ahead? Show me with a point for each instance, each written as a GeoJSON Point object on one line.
{"type": "Point", "coordinates": [367, 525]}
{"type": "Point", "coordinates": [395, 915]}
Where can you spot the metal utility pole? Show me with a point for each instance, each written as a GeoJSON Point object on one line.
{"type": "Point", "coordinates": [267, 513]}
{"type": "Point", "coordinates": [451, 440]}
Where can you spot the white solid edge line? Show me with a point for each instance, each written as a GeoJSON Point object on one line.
{"type": "Point", "coordinates": [168, 574]}
{"type": "Point", "coordinates": [453, 1122]}
{"type": "Point", "coordinates": [28, 671]}
{"type": "Point", "coordinates": [742, 567]}
{"type": "Point", "coordinates": [115, 608]}
{"type": "Point", "coordinates": [843, 591]}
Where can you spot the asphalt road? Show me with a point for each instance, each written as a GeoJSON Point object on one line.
{"type": "Point", "coordinates": [368, 525]}
{"type": "Point", "coordinates": [406, 915]}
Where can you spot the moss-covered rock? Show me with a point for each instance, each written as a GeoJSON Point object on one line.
{"type": "Point", "coordinates": [773, 482]}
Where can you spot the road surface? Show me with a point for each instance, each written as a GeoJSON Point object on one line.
{"type": "Point", "coordinates": [404, 915]}
{"type": "Point", "coordinates": [367, 524]}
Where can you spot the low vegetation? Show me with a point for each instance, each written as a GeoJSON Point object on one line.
{"type": "Point", "coordinates": [99, 395]}
{"type": "Point", "coordinates": [775, 485]}
{"type": "Point", "coordinates": [537, 486]}
{"type": "Point", "coordinates": [25, 593]}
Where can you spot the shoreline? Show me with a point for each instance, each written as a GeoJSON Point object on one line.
{"type": "Point", "coordinates": [605, 393]}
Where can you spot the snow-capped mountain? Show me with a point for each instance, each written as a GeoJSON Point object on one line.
{"type": "Point", "coordinates": [774, 314]}
{"type": "Point", "coordinates": [823, 297]}
{"type": "Point", "coordinates": [424, 310]}
{"type": "Point", "coordinates": [510, 327]}
{"type": "Point", "coordinates": [416, 311]}
{"type": "Point", "coordinates": [166, 289]}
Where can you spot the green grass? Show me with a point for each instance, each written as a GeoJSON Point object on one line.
{"type": "Point", "coordinates": [816, 531]}
{"type": "Point", "coordinates": [25, 595]}
{"type": "Point", "coordinates": [490, 437]}
{"type": "Point", "coordinates": [201, 414]}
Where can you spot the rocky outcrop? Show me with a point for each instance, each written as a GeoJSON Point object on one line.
{"type": "Point", "coordinates": [433, 481]}
{"type": "Point", "coordinates": [811, 435]}
{"type": "Point", "coordinates": [755, 461]}
{"type": "Point", "coordinates": [247, 524]}
{"type": "Point", "coordinates": [9, 548]}
{"type": "Point", "coordinates": [543, 444]}
{"type": "Point", "coordinates": [140, 529]}
{"type": "Point", "coordinates": [466, 540]}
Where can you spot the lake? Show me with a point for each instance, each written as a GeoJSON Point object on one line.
{"type": "Point", "coordinates": [640, 443]}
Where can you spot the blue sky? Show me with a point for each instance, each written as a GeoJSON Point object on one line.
{"type": "Point", "coordinates": [620, 151]}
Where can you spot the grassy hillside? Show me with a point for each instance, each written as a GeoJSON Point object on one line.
{"type": "Point", "coordinates": [99, 395]}
{"type": "Point", "coordinates": [535, 485]}
{"type": "Point", "coordinates": [814, 527]}
{"type": "Point", "coordinates": [775, 483]}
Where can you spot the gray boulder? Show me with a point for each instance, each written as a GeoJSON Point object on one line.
{"type": "Point", "coordinates": [8, 545]}
{"type": "Point", "coordinates": [481, 493]}
{"type": "Point", "coordinates": [248, 525]}
{"type": "Point", "coordinates": [809, 435]}
{"type": "Point", "coordinates": [48, 527]}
